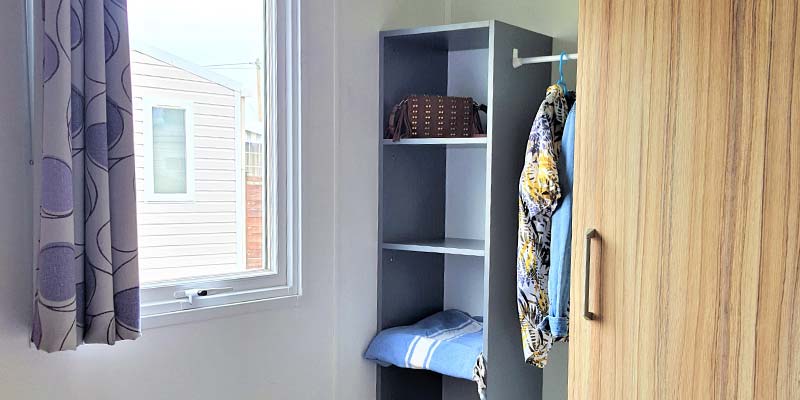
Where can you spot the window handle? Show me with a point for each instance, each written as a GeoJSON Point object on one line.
{"type": "Point", "coordinates": [191, 294]}
{"type": "Point", "coordinates": [591, 233]}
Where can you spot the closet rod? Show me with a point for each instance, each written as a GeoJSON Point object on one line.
{"type": "Point", "coordinates": [518, 62]}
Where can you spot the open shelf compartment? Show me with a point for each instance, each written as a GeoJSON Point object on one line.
{"type": "Point", "coordinates": [441, 246]}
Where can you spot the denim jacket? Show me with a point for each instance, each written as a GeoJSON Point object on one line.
{"type": "Point", "coordinates": [561, 239]}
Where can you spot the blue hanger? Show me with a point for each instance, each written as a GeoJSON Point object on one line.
{"type": "Point", "coordinates": [561, 82]}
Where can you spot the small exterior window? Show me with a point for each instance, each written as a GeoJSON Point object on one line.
{"type": "Point", "coordinates": [168, 151]}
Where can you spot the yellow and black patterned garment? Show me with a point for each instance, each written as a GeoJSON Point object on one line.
{"type": "Point", "coordinates": [538, 197]}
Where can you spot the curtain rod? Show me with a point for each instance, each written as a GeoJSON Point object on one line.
{"type": "Point", "coordinates": [517, 62]}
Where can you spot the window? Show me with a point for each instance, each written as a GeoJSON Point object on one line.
{"type": "Point", "coordinates": [215, 131]}
{"type": "Point", "coordinates": [254, 153]}
{"type": "Point", "coordinates": [168, 151]}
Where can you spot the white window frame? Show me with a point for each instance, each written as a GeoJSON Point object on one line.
{"type": "Point", "coordinates": [149, 161]}
{"type": "Point", "coordinates": [257, 289]}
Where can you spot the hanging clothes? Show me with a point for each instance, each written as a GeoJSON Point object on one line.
{"type": "Point", "coordinates": [538, 196]}
{"type": "Point", "coordinates": [557, 321]}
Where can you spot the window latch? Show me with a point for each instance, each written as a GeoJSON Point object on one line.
{"type": "Point", "coordinates": [191, 294]}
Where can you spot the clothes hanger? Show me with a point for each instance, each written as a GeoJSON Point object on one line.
{"type": "Point", "coordinates": [561, 83]}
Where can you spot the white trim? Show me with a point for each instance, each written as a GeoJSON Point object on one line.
{"type": "Point", "coordinates": [148, 103]}
{"type": "Point", "coordinates": [257, 290]}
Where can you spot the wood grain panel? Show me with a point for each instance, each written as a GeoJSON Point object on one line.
{"type": "Point", "coordinates": [688, 164]}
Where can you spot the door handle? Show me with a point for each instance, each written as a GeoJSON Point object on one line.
{"type": "Point", "coordinates": [591, 233]}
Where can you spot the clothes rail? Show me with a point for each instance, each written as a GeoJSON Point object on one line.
{"type": "Point", "coordinates": [517, 62]}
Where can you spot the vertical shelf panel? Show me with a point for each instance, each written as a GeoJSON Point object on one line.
{"type": "Point", "coordinates": [515, 97]}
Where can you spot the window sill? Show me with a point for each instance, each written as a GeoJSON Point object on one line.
{"type": "Point", "coordinates": [219, 311]}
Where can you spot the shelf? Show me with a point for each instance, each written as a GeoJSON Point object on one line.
{"type": "Point", "coordinates": [477, 141]}
{"type": "Point", "coordinates": [464, 247]}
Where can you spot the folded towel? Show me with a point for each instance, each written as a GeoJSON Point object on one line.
{"type": "Point", "coordinates": [449, 342]}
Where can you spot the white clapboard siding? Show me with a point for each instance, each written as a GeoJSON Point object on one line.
{"type": "Point", "coordinates": [205, 185]}
{"type": "Point", "coordinates": [213, 120]}
{"type": "Point", "coordinates": [214, 143]}
{"type": "Point", "coordinates": [160, 92]}
{"type": "Point", "coordinates": [175, 273]}
{"type": "Point", "coordinates": [209, 175]}
{"type": "Point", "coordinates": [199, 153]}
{"type": "Point", "coordinates": [215, 110]}
{"type": "Point", "coordinates": [214, 154]}
{"type": "Point", "coordinates": [213, 132]}
{"type": "Point", "coordinates": [189, 250]}
{"type": "Point", "coordinates": [182, 229]}
{"type": "Point", "coordinates": [180, 207]}
{"type": "Point", "coordinates": [186, 217]}
{"type": "Point", "coordinates": [215, 186]}
{"type": "Point", "coordinates": [200, 236]}
{"type": "Point", "coordinates": [153, 241]}
{"type": "Point", "coordinates": [226, 260]}
{"type": "Point", "coordinates": [178, 85]}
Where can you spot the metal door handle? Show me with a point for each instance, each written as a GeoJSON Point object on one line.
{"type": "Point", "coordinates": [591, 233]}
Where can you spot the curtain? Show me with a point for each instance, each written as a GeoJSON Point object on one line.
{"type": "Point", "coordinates": [87, 275]}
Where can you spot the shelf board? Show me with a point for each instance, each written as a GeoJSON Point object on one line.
{"type": "Point", "coordinates": [476, 141]}
{"type": "Point", "coordinates": [464, 247]}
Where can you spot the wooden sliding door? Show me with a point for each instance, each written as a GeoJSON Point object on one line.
{"type": "Point", "coordinates": [688, 165]}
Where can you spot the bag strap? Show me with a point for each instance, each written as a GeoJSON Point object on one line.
{"type": "Point", "coordinates": [391, 127]}
{"type": "Point", "coordinates": [476, 117]}
{"type": "Point", "coordinates": [398, 120]}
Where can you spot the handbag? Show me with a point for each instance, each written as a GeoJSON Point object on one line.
{"type": "Point", "coordinates": [435, 117]}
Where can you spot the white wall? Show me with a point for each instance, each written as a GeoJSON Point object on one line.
{"type": "Point", "coordinates": [358, 23]}
{"type": "Point", "coordinates": [276, 354]}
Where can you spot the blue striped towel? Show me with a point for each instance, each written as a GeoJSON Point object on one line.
{"type": "Point", "coordinates": [449, 342]}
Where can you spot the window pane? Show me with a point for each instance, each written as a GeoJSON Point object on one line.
{"type": "Point", "coordinates": [201, 65]}
{"type": "Point", "coordinates": [169, 150]}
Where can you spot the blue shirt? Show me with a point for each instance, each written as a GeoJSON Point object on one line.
{"type": "Point", "coordinates": [561, 240]}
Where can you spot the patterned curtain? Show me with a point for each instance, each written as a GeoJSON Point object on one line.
{"type": "Point", "coordinates": [87, 280]}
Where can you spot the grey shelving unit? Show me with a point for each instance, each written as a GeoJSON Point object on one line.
{"type": "Point", "coordinates": [448, 225]}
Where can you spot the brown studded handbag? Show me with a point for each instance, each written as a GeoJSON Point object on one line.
{"type": "Point", "coordinates": [435, 117]}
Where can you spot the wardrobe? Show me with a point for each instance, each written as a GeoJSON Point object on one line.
{"type": "Point", "coordinates": [685, 278]}
{"type": "Point", "coordinates": [687, 163]}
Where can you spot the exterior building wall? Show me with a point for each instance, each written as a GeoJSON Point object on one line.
{"type": "Point", "coordinates": [200, 235]}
